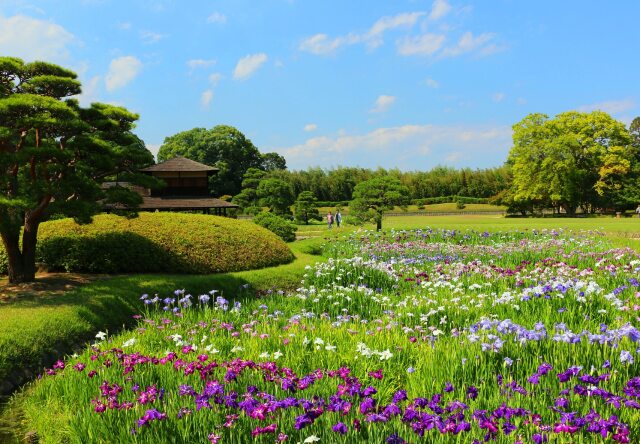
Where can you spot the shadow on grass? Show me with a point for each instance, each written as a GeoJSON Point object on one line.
{"type": "Point", "coordinates": [37, 331]}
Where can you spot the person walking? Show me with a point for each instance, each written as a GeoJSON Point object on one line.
{"type": "Point", "coordinates": [329, 220]}
{"type": "Point", "coordinates": [339, 218]}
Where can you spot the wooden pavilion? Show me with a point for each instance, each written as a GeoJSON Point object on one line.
{"type": "Point", "coordinates": [187, 188]}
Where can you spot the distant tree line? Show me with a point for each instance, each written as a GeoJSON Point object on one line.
{"type": "Point", "coordinates": [338, 184]}
{"type": "Point", "coordinates": [586, 162]}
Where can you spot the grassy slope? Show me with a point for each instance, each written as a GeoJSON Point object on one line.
{"type": "Point", "coordinates": [50, 327]}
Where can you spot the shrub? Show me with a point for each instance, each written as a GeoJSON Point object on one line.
{"type": "Point", "coordinates": [278, 225]}
{"type": "Point", "coordinates": [157, 242]}
{"type": "Point", "coordinates": [460, 204]}
{"type": "Point", "coordinates": [331, 203]}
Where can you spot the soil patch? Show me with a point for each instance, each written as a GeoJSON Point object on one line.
{"type": "Point", "coordinates": [46, 285]}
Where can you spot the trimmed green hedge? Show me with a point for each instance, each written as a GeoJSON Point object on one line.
{"type": "Point", "coordinates": [283, 228]}
{"type": "Point", "coordinates": [450, 199]}
{"type": "Point", "coordinates": [157, 242]}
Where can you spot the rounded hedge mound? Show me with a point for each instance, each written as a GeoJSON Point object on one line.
{"type": "Point", "coordinates": [158, 242]}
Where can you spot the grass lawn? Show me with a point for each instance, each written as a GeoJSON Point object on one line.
{"type": "Point", "coordinates": [35, 331]}
{"type": "Point", "coordinates": [628, 228]}
{"type": "Point", "coordinates": [481, 334]}
{"type": "Point", "coordinates": [434, 208]}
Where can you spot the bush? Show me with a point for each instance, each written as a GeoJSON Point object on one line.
{"type": "Point", "coordinates": [157, 242]}
{"type": "Point", "coordinates": [449, 199]}
{"type": "Point", "coordinates": [460, 204]}
{"type": "Point", "coordinates": [278, 225]}
{"type": "Point", "coordinates": [330, 203]}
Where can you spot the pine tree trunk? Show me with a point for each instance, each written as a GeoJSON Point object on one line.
{"type": "Point", "coordinates": [22, 264]}
{"type": "Point", "coordinates": [12, 247]}
{"type": "Point", "coordinates": [29, 240]}
{"type": "Point", "coordinates": [379, 221]}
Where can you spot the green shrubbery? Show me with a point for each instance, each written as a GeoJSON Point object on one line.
{"type": "Point", "coordinates": [157, 242]}
{"type": "Point", "coordinates": [280, 226]}
{"type": "Point", "coordinates": [450, 199]}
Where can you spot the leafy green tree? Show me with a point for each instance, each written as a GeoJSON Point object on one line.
{"type": "Point", "coordinates": [634, 132]}
{"type": "Point", "coordinates": [273, 162]}
{"type": "Point", "coordinates": [307, 207]}
{"type": "Point", "coordinates": [54, 155]}
{"type": "Point", "coordinates": [223, 147]}
{"type": "Point", "coordinates": [373, 197]}
{"type": "Point", "coordinates": [557, 162]}
{"type": "Point", "coordinates": [277, 195]}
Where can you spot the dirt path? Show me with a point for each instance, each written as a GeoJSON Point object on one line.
{"type": "Point", "coordinates": [45, 285]}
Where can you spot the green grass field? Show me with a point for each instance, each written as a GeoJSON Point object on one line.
{"type": "Point", "coordinates": [473, 322]}
{"type": "Point", "coordinates": [434, 208]}
{"type": "Point", "coordinates": [31, 327]}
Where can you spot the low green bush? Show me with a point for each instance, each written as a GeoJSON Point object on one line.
{"type": "Point", "coordinates": [449, 199]}
{"type": "Point", "coordinates": [278, 225]}
{"type": "Point", "coordinates": [330, 203]}
{"type": "Point", "coordinates": [157, 242]}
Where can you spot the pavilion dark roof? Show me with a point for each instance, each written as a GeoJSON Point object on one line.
{"type": "Point", "coordinates": [179, 164]}
{"type": "Point", "coordinates": [167, 203]}
{"type": "Point", "coordinates": [178, 203]}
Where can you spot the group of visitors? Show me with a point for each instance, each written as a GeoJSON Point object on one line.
{"type": "Point", "coordinates": [331, 219]}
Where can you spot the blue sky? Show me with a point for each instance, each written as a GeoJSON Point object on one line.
{"type": "Point", "coordinates": [404, 83]}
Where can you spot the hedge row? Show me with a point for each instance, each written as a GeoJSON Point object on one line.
{"type": "Point", "coordinates": [450, 199]}
{"type": "Point", "coordinates": [328, 203]}
{"type": "Point", "coordinates": [157, 242]}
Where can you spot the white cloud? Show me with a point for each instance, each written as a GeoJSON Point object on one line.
{"type": "Point", "coordinates": [90, 90]}
{"type": "Point", "coordinates": [611, 106]}
{"type": "Point", "coordinates": [194, 64]}
{"type": "Point", "coordinates": [218, 18]}
{"type": "Point", "coordinates": [322, 44]}
{"type": "Point", "coordinates": [122, 71]}
{"type": "Point", "coordinates": [453, 157]}
{"type": "Point", "coordinates": [33, 39]}
{"type": "Point", "coordinates": [373, 37]}
{"type": "Point", "coordinates": [125, 26]}
{"type": "Point", "coordinates": [310, 127]}
{"type": "Point", "coordinates": [431, 83]}
{"type": "Point", "coordinates": [154, 148]}
{"type": "Point", "coordinates": [439, 9]}
{"type": "Point", "coordinates": [383, 103]}
{"type": "Point", "coordinates": [248, 65]}
{"type": "Point", "coordinates": [426, 44]}
{"type": "Point", "coordinates": [149, 37]}
{"type": "Point", "coordinates": [521, 101]}
{"type": "Point", "coordinates": [215, 78]}
{"type": "Point", "coordinates": [469, 43]}
{"type": "Point", "coordinates": [499, 97]}
{"type": "Point", "coordinates": [205, 98]}
{"type": "Point", "coordinates": [380, 147]}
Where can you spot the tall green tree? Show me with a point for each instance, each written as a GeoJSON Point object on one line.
{"type": "Point", "coordinates": [273, 162]}
{"type": "Point", "coordinates": [373, 197]}
{"type": "Point", "coordinates": [307, 207]}
{"type": "Point", "coordinates": [277, 195]}
{"type": "Point", "coordinates": [557, 162]}
{"type": "Point", "coordinates": [222, 146]}
{"type": "Point", "coordinates": [55, 154]}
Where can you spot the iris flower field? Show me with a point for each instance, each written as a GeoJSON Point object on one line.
{"type": "Point", "coordinates": [437, 336]}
